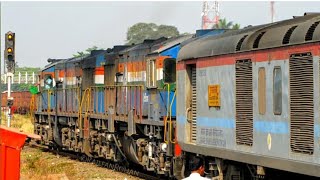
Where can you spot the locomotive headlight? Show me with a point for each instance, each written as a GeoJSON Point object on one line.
{"type": "Point", "coordinates": [164, 147]}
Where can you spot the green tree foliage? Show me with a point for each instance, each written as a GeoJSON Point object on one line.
{"type": "Point", "coordinates": [141, 31]}
{"type": "Point", "coordinates": [224, 24]}
{"type": "Point", "coordinates": [86, 52]}
{"type": "Point", "coordinates": [236, 26]}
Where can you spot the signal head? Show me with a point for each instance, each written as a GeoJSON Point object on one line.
{"type": "Point", "coordinates": [10, 46]}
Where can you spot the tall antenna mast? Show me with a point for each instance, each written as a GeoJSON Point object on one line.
{"type": "Point", "coordinates": [210, 14]}
{"type": "Point", "coordinates": [272, 11]}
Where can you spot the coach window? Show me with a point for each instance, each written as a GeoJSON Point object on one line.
{"type": "Point", "coordinates": [277, 91]}
{"type": "Point", "coordinates": [262, 91]}
{"type": "Point", "coordinates": [151, 73]}
{"type": "Point", "coordinates": [169, 70]}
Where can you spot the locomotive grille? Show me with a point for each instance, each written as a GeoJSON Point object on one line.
{"type": "Point", "coordinates": [244, 111]}
{"type": "Point", "coordinates": [194, 104]}
{"type": "Point", "coordinates": [257, 40]}
{"type": "Point", "coordinates": [301, 103]}
{"type": "Point", "coordinates": [239, 44]}
{"type": "Point", "coordinates": [286, 38]}
{"type": "Point", "coordinates": [311, 30]}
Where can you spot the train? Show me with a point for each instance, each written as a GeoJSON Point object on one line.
{"type": "Point", "coordinates": [246, 101]}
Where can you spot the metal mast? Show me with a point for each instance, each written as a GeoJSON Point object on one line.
{"type": "Point", "coordinates": [272, 11]}
{"type": "Point", "coordinates": [210, 14]}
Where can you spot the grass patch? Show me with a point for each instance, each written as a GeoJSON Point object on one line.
{"type": "Point", "coordinates": [37, 164]}
{"type": "Point", "coordinates": [22, 122]}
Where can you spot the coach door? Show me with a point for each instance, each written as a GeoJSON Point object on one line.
{"type": "Point", "coordinates": [192, 101]}
{"type": "Point", "coordinates": [244, 108]}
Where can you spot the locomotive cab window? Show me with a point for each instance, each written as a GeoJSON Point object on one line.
{"type": "Point", "coordinates": [277, 91]}
{"type": "Point", "coordinates": [48, 82]}
{"type": "Point", "coordinates": [169, 70]}
{"type": "Point", "coordinates": [151, 73]}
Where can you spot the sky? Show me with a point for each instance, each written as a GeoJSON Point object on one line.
{"type": "Point", "coordinates": [59, 29]}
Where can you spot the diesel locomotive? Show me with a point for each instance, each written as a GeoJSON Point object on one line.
{"type": "Point", "coordinates": [246, 101]}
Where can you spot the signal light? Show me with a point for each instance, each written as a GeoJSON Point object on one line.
{"type": "Point", "coordinates": [9, 50]}
{"type": "Point", "coordinates": [10, 47]}
{"type": "Point", "coordinates": [10, 36]}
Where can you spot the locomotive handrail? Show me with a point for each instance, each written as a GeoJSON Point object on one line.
{"type": "Point", "coordinates": [49, 92]}
{"type": "Point", "coordinates": [166, 118]}
{"type": "Point", "coordinates": [57, 90]}
{"type": "Point", "coordinates": [80, 108]}
{"type": "Point", "coordinates": [89, 102]}
{"type": "Point", "coordinates": [116, 86]}
{"type": "Point", "coordinates": [94, 102]}
{"type": "Point", "coordinates": [169, 114]}
{"type": "Point", "coordinates": [32, 105]}
{"type": "Point", "coordinates": [74, 98]}
{"type": "Point", "coordinates": [170, 128]}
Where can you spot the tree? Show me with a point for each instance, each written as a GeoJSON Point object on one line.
{"type": "Point", "coordinates": [224, 24]}
{"type": "Point", "coordinates": [236, 26]}
{"type": "Point", "coordinates": [141, 31]}
{"type": "Point", "coordinates": [86, 52]}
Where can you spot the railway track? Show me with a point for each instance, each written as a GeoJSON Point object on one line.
{"type": "Point", "coordinates": [132, 171]}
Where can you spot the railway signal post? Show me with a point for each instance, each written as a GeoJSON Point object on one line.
{"type": "Point", "coordinates": [9, 57]}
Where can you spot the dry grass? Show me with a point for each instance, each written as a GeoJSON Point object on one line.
{"type": "Point", "coordinates": [44, 165]}
{"type": "Point", "coordinates": [21, 122]}
{"type": "Point", "coordinates": [39, 165]}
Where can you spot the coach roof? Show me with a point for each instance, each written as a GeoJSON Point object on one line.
{"type": "Point", "coordinates": [299, 30]}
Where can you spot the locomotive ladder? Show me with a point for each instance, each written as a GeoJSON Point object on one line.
{"type": "Point", "coordinates": [194, 104]}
